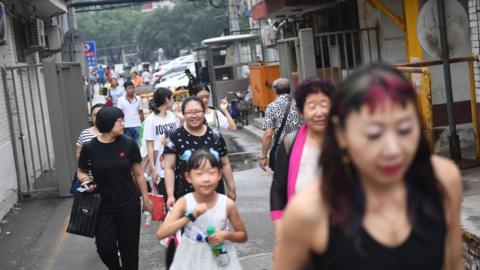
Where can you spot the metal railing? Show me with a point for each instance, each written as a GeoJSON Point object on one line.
{"type": "Point", "coordinates": [473, 98]}
{"type": "Point", "coordinates": [338, 53]}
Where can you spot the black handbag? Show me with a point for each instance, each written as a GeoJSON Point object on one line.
{"type": "Point", "coordinates": [84, 214]}
{"type": "Point", "coordinates": [276, 141]}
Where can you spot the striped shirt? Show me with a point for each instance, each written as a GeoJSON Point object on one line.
{"type": "Point", "coordinates": [85, 136]}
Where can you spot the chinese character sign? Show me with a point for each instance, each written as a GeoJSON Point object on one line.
{"type": "Point", "coordinates": [90, 53]}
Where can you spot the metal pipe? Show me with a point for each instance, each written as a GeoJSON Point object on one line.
{"type": "Point", "coordinates": [43, 121]}
{"type": "Point", "coordinates": [35, 118]}
{"type": "Point", "coordinates": [12, 132]}
{"type": "Point", "coordinates": [455, 152]}
{"type": "Point", "coordinates": [27, 120]}
{"type": "Point", "coordinates": [20, 136]}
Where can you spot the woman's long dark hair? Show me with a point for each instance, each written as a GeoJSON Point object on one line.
{"type": "Point", "coordinates": [160, 97]}
{"type": "Point", "coordinates": [341, 188]}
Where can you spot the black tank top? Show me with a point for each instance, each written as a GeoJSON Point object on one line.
{"type": "Point", "coordinates": [418, 252]}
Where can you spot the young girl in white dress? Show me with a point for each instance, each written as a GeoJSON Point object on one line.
{"type": "Point", "coordinates": [198, 210]}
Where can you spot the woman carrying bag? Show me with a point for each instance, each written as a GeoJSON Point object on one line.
{"type": "Point", "coordinates": [115, 163]}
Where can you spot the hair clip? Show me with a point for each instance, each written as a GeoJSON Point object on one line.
{"type": "Point", "coordinates": [215, 154]}
{"type": "Point", "coordinates": [186, 155]}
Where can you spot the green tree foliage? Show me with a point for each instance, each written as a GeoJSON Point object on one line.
{"type": "Point", "coordinates": [184, 26]}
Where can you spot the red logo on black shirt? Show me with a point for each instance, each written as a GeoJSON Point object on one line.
{"type": "Point", "coordinates": [122, 154]}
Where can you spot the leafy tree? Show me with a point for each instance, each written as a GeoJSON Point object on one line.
{"type": "Point", "coordinates": [184, 26]}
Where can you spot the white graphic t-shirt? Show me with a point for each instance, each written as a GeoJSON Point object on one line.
{"type": "Point", "coordinates": [156, 129]}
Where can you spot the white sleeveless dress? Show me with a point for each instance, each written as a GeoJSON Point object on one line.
{"type": "Point", "coordinates": [193, 253]}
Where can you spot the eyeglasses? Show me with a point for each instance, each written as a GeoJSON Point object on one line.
{"type": "Point", "coordinates": [193, 113]}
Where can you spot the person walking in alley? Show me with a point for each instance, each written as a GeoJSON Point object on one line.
{"type": "Point", "coordinates": [136, 79]}
{"type": "Point", "coordinates": [192, 82]}
{"type": "Point", "coordinates": [383, 198]}
{"type": "Point", "coordinates": [115, 163]}
{"type": "Point", "coordinates": [281, 118]}
{"type": "Point", "coordinates": [219, 120]}
{"type": "Point", "coordinates": [193, 135]}
{"type": "Point", "coordinates": [116, 91]}
{"type": "Point", "coordinates": [131, 106]}
{"type": "Point", "coordinates": [157, 126]}
{"type": "Point", "coordinates": [298, 153]}
{"type": "Point", "coordinates": [89, 133]}
{"type": "Point", "coordinates": [198, 210]}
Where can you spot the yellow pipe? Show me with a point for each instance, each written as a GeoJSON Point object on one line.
{"type": "Point", "coordinates": [473, 106]}
{"type": "Point", "coordinates": [399, 21]}
{"type": "Point", "coordinates": [410, 14]}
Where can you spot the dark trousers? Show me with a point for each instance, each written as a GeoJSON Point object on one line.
{"type": "Point", "coordinates": [119, 230]}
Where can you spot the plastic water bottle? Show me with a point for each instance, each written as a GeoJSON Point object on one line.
{"type": "Point", "coordinates": [219, 251]}
{"type": "Point", "coordinates": [148, 219]}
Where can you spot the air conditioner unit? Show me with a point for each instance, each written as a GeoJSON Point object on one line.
{"type": "Point", "coordinates": [269, 36]}
{"type": "Point", "coordinates": [35, 34]}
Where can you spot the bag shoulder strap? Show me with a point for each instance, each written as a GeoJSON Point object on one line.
{"type": "Point", "coordinates": [284, 121]}
{"type": "Point", "coordinates": [289, 140]}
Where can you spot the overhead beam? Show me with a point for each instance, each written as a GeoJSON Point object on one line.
{"type": "Point", "coordinates": [105, 2]}
{"type": "Point", "coordinates": [399, 21]}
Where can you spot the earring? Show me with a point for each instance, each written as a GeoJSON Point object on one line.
{"type": "Point", "coordinates": [346, 164]}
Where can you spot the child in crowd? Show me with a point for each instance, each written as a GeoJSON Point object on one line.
{"type": "Point", "coordinates": [198, 210]}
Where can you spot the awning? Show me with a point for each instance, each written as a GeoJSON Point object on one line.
{"type": "Point", "coordinates": [48, 8]}
{"type": "Point", "coordinates": [273, 8]}
{"type": "Point", "coordinates": [229, 39]}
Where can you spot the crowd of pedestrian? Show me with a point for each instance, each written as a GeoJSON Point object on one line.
{"type": "Point", "coordinates": [354, 186]}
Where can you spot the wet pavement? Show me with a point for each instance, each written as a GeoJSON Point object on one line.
{"type": "Point", "coordinates": [33, 235]}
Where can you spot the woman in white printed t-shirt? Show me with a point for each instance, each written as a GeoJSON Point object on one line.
{"type": "Point", "coordinates": [156, 128]}
{"type": "Point", "coordinates": [216, 119]}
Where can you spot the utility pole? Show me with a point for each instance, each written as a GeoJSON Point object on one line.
{"type": "Point", "coordinates": [233, 21]}
{"type": "Point", "coordinates": [454, 142]}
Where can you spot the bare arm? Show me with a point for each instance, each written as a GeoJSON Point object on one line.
{"type": "Point", "coordinates": [224, 108]}
{"type": "Point", "coordinates": [174, 221]}
{"type": "Point", "coordinates": [77, 152]}
{"type": "Point", "coordinates": [170, 162]}
{"type": "Point", "coordinates": [266, 140]}
{"type": "Point", "coordinates": [239, 235]}
{"type": "Point", "coordinates": [450, 177]}
{"type": "Point", "coordinates": [142, 116]}
{"type": "Point", "coordinates": [141, 183]}
{"type": "Point", "coordinates": [304, 228]}
{"type": "Point", "coordinates": [228, 175]}
{"type": "Point", "coordinates": [151, 159]}
{"type": "Point", "coordinates": [177, 220]}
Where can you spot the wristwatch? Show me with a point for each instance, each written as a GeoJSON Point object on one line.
{"type": "Point", "coordinates": [262, 157]}
{"type": "Point", "coordinates": [189, 215]}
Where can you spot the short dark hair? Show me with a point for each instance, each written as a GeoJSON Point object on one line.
{"type": "Point", "coordinates": [187, 71]}
{"type": "Point", "coordinates": [198, 159]}
{"type": "Point", "coordinates": [98, 105]}
{"type": "Point", "coordinates": [106, 118]}
{"type": "Point", "coordinates": [310, 86]}
{"type": "Point", "coordinates": [190, 99]}
{"type": "Point", "coordinates": [127, 84]}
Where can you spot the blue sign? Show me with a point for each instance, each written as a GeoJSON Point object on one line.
{"type": "Point", "coordinates": [90, 51]}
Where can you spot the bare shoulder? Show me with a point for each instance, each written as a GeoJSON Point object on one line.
{"type": "Point", "coordinates": [449, 176]}
{"type": "Point", "coordinates": [307, 206]}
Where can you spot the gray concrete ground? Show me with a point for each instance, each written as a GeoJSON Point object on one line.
{"type": "Point", "coordinates": [34, 234]}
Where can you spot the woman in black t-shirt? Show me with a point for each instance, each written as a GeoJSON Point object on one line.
{"type": "Point", "coordinates": [115, 163]}
{"type": "Point", "coordinates": [185, 140]}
